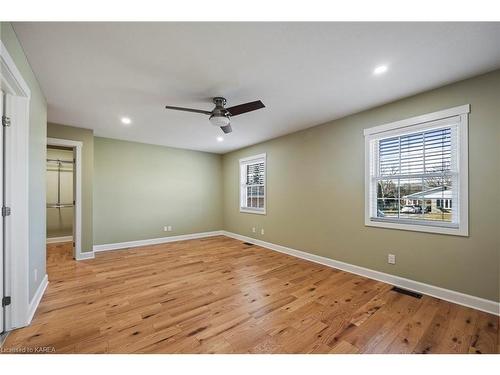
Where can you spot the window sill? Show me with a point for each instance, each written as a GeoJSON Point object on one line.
{"type": "Point", "coordinates": [250, 211]}
{"type": "Point", "coordinates": [448, 230]}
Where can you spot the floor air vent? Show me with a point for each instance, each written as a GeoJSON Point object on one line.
{"type": "Point", "coordinates": [407, 292]}
{"type": "Point", "coordinates": [248, 243]}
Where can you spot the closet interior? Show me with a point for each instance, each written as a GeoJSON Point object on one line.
{"type": "Point", "coordinates": [60, 193]}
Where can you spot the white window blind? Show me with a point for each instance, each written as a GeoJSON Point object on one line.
{"type": "Point", "coordinates": [415, 177]}
{"type": "Point", "coordinates": [253, 184]}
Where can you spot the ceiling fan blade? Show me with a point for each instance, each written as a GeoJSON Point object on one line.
{"type": "Point", "coordinates": [226, 129]}
{"type": "Point", "coordinates": [189, 110]}
{"type": "Point", "coordinates": [246, 107]}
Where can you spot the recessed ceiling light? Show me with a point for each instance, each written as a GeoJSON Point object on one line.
{"type": "Point", "coordinates": [126, 121]}
{"type": "Point", "coordinates": [381, 69]}
{"type": "Point", "coordinates": [220, 139]}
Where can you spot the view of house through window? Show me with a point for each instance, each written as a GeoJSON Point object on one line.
{"type": "Point", "coordinates": [252, 184]}
{"type": "Point", "coordinates": [415, 178]}
{"type": "Point", "coordinates": [417, 172]}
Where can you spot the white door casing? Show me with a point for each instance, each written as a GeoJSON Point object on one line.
{"type": "Point", "coordinates": [16, 230]}
{"type": "Point", "coordinates": [1, 225]}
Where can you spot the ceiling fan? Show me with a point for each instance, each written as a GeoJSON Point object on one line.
{"type": "Point", "coordinates": [221, 116]}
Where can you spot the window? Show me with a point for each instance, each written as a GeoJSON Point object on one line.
{"type": "Point", "coordinates": [416, 173]}
{"type": "Point", "coordinates": [253, 184]}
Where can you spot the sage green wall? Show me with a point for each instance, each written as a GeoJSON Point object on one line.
{"type": "Point", "coordinates": [140, 188]}
{"type": "Point", "coordinates": [86, 136]}
{"type": "Point", "coordinates": [59, 220]}
{"type": "Point", "coordinates": [315, 187]}
{"type": "Point", "coordinates": [37, 152]}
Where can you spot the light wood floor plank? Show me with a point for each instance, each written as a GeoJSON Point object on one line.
{"type": "Point", "coordinates": [218, 295]}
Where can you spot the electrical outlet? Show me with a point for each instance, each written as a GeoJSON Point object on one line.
{"type": "Point", "coordinates": [262, 231]}
{"type": "Point", "coordinates": [391, 258]}
{"type": "Point", "coordinates": [36, 274]}
{"type": "Point", "coordinates": [253, 229]}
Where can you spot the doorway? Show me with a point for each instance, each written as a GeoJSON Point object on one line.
{"type": "Point", "coordinates": [63, 197]}
{"type": "Point", "coordinates": [60, 200]}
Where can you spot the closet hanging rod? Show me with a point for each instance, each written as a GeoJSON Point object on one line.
{"type": "Point", "coordinates": [60, 161]}
{"type": "Point", "coordinates": [60, 205]}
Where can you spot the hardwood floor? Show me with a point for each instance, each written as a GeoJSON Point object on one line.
{"type": "Point", "coordinates": [218, 295]}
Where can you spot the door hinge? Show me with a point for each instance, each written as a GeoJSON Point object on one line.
{"type": "Point", "coordinates": [6, 301]}
{"type": "Point", "coordinates": [6, 211]}
{"type": "Point", "coordinates": [74, 244]}
{"type": "Point", "coordinates": [5, 121]}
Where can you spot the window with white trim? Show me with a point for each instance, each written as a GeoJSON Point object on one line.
{"type": "Point", "coordinates": [253, 184]}
{"type": "Point", "coordinates": [416, 173]}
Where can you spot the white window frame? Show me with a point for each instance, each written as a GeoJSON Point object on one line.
{"type": "Point", "coordinates": [416, 124]}
{"type": "Point", "coordinates": [243, 163]}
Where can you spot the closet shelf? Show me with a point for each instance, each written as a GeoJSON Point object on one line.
{"type": "Point", "coordinates": [60, 205]}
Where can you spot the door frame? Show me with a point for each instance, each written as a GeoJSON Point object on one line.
{"type": "Point", "coordinates": [77, 217]}
{"type": "Point", "coordinates": [16, 267]}
{"type": "Point", "coordinates": [2, 270]}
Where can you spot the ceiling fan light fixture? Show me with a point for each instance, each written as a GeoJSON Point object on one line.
{"type": "Point", "coordinates": [219, 120]}
{"type": "Point", "coordinates": [220, 116]}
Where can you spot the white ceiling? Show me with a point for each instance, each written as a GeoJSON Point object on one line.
{"type": "Point", "coordinates": [305, 73]}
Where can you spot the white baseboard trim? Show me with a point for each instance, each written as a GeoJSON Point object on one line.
{"type": "Point", "coordinates": [477, 303]}
{"type": "Point", "coordinates": [154, 241]}
{"type": "Point", "coordinates": [85, 255]}
{"type": "Point", "coordinates": [59, 239]}
{"type": "Point", "coordinates": [36, 299]}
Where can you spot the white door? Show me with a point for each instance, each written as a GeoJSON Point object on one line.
{"type": "Point", "coordinates": [2, 250]}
